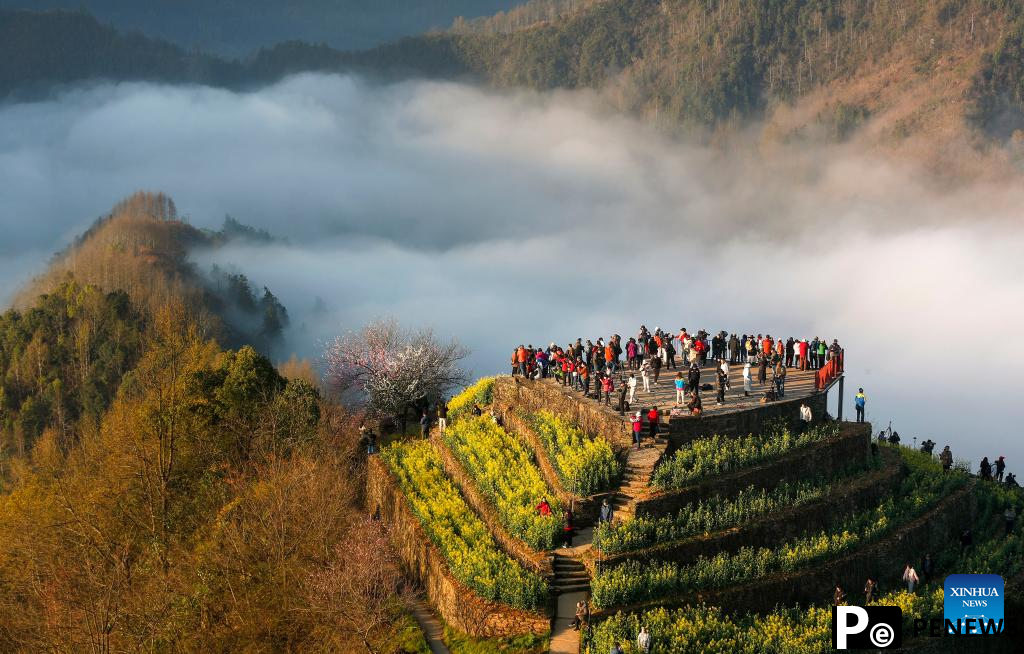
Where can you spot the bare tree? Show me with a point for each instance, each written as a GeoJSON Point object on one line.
{"type": "Point", "coordinates": [393, 370]}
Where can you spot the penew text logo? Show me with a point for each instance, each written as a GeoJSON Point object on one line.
{"type": "Point", "coordinates": [870, 627]}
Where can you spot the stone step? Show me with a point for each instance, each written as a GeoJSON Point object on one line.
{"type": "Point", "coordinates": [569, 570]}
{"type": "Point", "coordinates": [571, 576]}
{"type": "Point", "coordinates": [571, 588]}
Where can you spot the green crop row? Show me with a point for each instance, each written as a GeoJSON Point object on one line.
{"type": "Point", "coordinates": [634, 582]}
{"type": "Point", "coordinates": [705, 517]}
{"type": "Point", "coordinates": [716, 455]}
{"type": "Point", "coordinates": [709, 629]}
{"type": "Point", "coordinates": [584, 465]}
{"type": "Point", "coordinates": [463, 539]}
{"type": "Point", "coordinates": [505, 473]}
{"type": "Point", "coordinates": [481, 393]}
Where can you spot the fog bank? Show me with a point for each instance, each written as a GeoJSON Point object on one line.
{"type": "Point", "coordinates": [507, 218]}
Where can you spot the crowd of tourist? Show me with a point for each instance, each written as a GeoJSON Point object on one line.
{"type": "Point", "coordinates": [620, 371]}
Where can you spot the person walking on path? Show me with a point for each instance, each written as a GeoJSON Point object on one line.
{"type": "Point", "coordinates": [652, 422]}
{"type": "Point", "coordinates": [606, 509]}
{"type": "Point", "coordinates": [636, 422]}
{"type": "Point", "coordinates": [424, 425]}
{"type": "Point", "coordinates": [645, 375]}
{"type": "Point", "coordinates": [442, 416]}
{"type": "Point", "coordinates": [946, 457]}
{"type": "Point", "coordinates": [910, 577]}
{"type": "Point", "coordinates": [869, 590]}
{"type": "Point", "coordinates": [631, 384]}
{"type": "Point", "coordinates": [1000, 468]}
{"type": "Point", "coordinates": [859, 400]}
{"type": "Point", "coordinates": [623, 405]}
{"type": "Point", "coordinates": [838, 596]}
{"type": "Point", "coordinates": [567, 529]}
{"type": "Point", "coordinates": [656, 364]}
{"type": "Point", "coordinates": [578, 622]}
{"type": "Point", "coordinates": [680, 388]}
{"type": "Point", "coordinates": [643, 641]}
{"type": "Point", "coordinates": [747, 382]}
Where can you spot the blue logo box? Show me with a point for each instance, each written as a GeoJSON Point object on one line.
{"type": "Point", "coordinates": [978, 598]}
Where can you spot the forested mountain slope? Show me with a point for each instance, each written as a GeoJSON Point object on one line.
{"type": "Point", "coordinates": [155, 488]}
{"type": "Point", "coordinates": [238, 27]}
{"type": "Point", "coordinates": [810, 69]}
{"type": "Point", "coordinates": [142, 248]}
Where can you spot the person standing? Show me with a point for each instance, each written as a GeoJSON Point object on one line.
{"type": "Point", "coordinates": [722, 379]}
{"type": "Point", "coordinates": [790, 351]}
{"type": "Point", "coordinates": [631, 383]}
{"type": "Point", "coordinates": [643, 641]}
{"type": "Point", "coordinates": [805, 415]}
{"type": "Point", "coordinates": [985, 470]}
{"type": "Point", "coordinates": [910, 577]}
{"type": "Point", "coordinates": [694, 378]}
{"type": "Point", "coordinates": [607, 386]}
{"type": "Point", "coordinates": [645, 374]}
{"type": "Point", "coordinates": [762, 370]}
{"type": "Point", "coordinates": [653, 416]}
{"type": "Point", "coordinates": [637, 423]}
{"type": "Point", "coordinates": [567, 529]}
{"type": "Point", "coordinates": [946, 457]}
{"type": "Point", "coordinates": [680, 388]}
{"type": "Point", "coordinates": [747, 382]}
{"type": "Point", "coordinates": [424, 425]}
{"type": "Point", "coordinates": [1000, 468]}
{"type": "Point", "coordinates": [869, 590]}
{"type": "Point", "coordinates": [623, 405]}
{"type": "Point", "coordinates": [838, 596]}
{"type": "Point", "coordinates": [859, 400]}
{"type": "Point", "coordinates": [656, 363]}
{"type": "Point", "coordinates": [802, 350]}
{"type": "Point", "coordinates": [442, 416]}
{"type": "Point", "coordinates": [606, 508]}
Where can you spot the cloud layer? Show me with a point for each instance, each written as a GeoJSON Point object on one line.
{"type": "Point", "coordinates": [502, 218]}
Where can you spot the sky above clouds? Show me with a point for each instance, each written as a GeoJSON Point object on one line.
{"type": "Point", "coordinates": [501, 218]}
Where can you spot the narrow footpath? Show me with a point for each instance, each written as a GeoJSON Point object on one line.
{"type": "Point", "coordinates": [431, 627]}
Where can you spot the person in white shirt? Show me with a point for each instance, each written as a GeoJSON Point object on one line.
{"type": "Point", "coordinates": [645, 372]}
{"type": "Point", "coordinates": [631, 383]}
{"type": "Point", "coordinates": [805, 415]}
{"type": "Point", "coordinates": [746, 379]}
{"type": "Point", "coordinates": [910, 576]}
{"type": "Point", "coordinates": [643, 641]}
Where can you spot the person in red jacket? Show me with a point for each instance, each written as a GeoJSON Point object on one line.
{"type": "Point", "coordinates": [543, 508]}
{"type": "Point", "coordinates": [802, 350]}
{"type": "Point", "coordinates": [607, 387]}
{"type": "Point", "coordinates": [652, 422]}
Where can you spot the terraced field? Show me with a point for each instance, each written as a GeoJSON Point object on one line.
{"type": "Point", "coordinates": [731, 528]}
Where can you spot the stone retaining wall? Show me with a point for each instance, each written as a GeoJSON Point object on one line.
{"type": "Point", "coordinates": [513, 546]}
{"type": "Point", "coordinates": [683, 429]}
{"type": "Point", "coordinates": [460, 607]}
{"type": "Point", "coordinates": [533, 395]}
{"type": "Point", "coordinates": [866, 489]}
{"type": "Point", "coordinates": [884, 560]}
{"type": "Point", "coordinates": [828, 457]}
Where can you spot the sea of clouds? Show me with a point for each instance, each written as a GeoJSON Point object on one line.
{"type": "Point", "coordinates": [501, 218]}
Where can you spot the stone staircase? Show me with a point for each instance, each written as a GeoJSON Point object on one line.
{"type": "Point", "coordinates": [571, 576]}
{"type": "Point", "coordinates": [637, 477]}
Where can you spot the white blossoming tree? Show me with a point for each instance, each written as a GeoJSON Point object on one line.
{"type": "Point", "coordinates": [393, 371]}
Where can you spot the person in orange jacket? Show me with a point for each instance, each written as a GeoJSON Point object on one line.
{"type": "Point", "coordinates": [521, 359]}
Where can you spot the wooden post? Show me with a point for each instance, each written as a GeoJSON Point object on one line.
{"type": "Point", "coordinates": [839, 415]}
